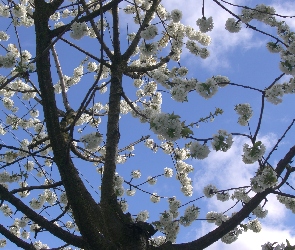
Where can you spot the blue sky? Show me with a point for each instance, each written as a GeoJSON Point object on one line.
{"type": "Point", "coordinates": [242, 57]}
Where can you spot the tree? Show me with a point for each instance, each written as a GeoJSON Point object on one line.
{"type": "Point", "coordinates": [46, 157]}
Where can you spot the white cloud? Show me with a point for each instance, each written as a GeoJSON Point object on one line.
{"type": "Point", "coordinates": [223, 42]}
{"type": "Point", "coordinates": [285, 8]}
{"type": "Point", "coordinates": [250, 240]}
{"type": "Point", "coordinates": [226, 170]}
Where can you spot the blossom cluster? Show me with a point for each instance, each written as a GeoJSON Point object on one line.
{"type": "Point", "coordinates": [254, 225]}
{"type": "Point", "coordinates": [241, 195]}
{"type": "Point", "coordinates": [205, 24]}
{"type": "Point", "coordinates": [78, 30]}
{"type": "Point", "coordinates": [254, 153]}
{"type": "Point", "coordinates": [191, 214]}
{"type": "Point", "coordinates": [287, 201]}
{"type": "Point", "coordinates": [259, 212]}
{"type": "Point", "coordinates": [69, 81]}
{"type": "Point", "coordinates": [167, 125]}
{"type": "Point", "coordinates": [266, 14]}
{"type": "Point", "coordinates": [183, 169]}
{"type": "Point", "coordinates": [168, 226]}
{"type": "Point", "coordinates": [264, 179]}
{"type": "Point", "coordinates": [210, 190]}
{"type": "Point", "coordinates": [245, 112]}
{"type": "Point", "coordinates": [142, 216]}
{"type": "Point", "coordinates": [208, 88]}
{"type": "Point", "coordinates": [273, 246]}
{"type": "Point", "coordinates": [21, 13]}
{"type": "Point", "coordinates": [47, 196]}
{"type": "Point", "coordinates": [149, 32]}
{"type": "Point", "coordinates": [276, 92]}
{"type": "Point", "coordinates": [232, 25]}
{"type": "Point", "coordinates": [118, 185]}
{"type": "Point", "coordinates": [222, 141]}
{"type": "Point", "coordinates": [199, 151]}
{"type": "Point", "coordinates": [232, 236]}
{"type": "Point", "coordinates": [157, 241]}
{"type": "Point", "coordinates": [91, 140]}
{"type": "Point", "coordinates": [9, 60]}
{"type": "Point", "coordinates": [216, 218]}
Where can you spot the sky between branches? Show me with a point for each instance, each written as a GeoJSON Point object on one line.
{"type": "Point", "coordinates": [242, 57]}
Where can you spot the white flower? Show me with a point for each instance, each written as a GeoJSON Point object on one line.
{"type": "Point", "coordinates": [191, 213]}
{"type": "Point", "coordinates": [168, 172]}
{"type": "Point", "coordinates": [259, 212]}
{"type": "Point", "coordinates": [217, 218]}
{"type": "Point", "coordinates": [3, 36]}
{"type": "Point", "coordinates": [36, 204]}
{"type": "Point", "coordinates": [222, 141]}
{"type": "Point", "coordinates": [167, 125]}
{"type": "Point", "coordinates": [148, 49]}
{"type": "Point", "coordinates": [29, 165]}
{"type": "Point", "coordinates": [124, 205]}
{"type": "Point", "coordinates": [150, 32]}
{"type": "Point", "coordinates": [79, 30]}
{"type": "Point", "coordinates": [274, 47]}
{"type": "Point", "coordinates": [181, 153]}
{"type": "Point", "coordinates": [92, 140]}
{"type": "Point", "coordinates": [55, 16]}
{"type": "Point", "coordinates": [205, 24]}
{"type": "Point", "coordinates": [6, 210]}
{"type": "Point", "coordinates": [222, 196]}
{"type": "Point", "coordinates": [245, 111]}
{"type": "Point", "coordinates": [209, 191]}
{"type": "Point", "coordinates": [229, 237]}
{"type": "Point", "coordinates": [264, 179]}
{"type": "Point", "coordinates": [199, 151]}
{"type": "Point", "coordinates": [179, 93]}
{"type": "Point", "coordinates": [34, 227]}
{"type": "Point", "coordinates": [176, 15]}
{"type": "Point", "coordinates": [2, 242]}
{"type": "Point", "coordinates": [158, 241]}
{"type": "Point", "coordinates": [92, 66]}
{"type": "Point", "coordinates": [136, 174]}
{"type": "Point", "coordinates": [25, 235]}
{"type": "Point", "coordinates": [253, 154]}
{"type": "Point", "coordinates": [232, 25]}
{"type": "Point", "coordinates": [142, 216]}
{"type": "Point", "coordinates": [63, 198]}
{"type": "Point", "coordinates": [39, 245]}
{"type": "Point", "coordinates": [151, 180]}
{"type": "Point", "coordinates": [70, 225]}
{"type": "Point", "coordinates": [119, 191]}
{"type": "Point", "coordinates": [208, 88]}
{"type": "Point", "coordinates": [254, 225]}
{"type": "Point", "coordinates": [173, 204]}
{"type": "Point", "coordinates": [274, 94]}
{"type": "Point", "coordinates": [155, 198]}
{"type": "Point", "coordinates": [130, 192]}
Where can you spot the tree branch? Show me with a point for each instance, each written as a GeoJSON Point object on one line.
{"type": "Point", "coordinates": [40, 220]}
{"type": "Point", "coordinates": [16, 240]}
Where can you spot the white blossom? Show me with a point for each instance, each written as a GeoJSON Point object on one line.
{"type": "Point", "coordinates": [232, 25]}
{"type": "Point", "coordinates": [205, 24]}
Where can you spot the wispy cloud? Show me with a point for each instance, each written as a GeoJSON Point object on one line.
{"type": "Point", "coordinates": [226, 170]}
{"type": "Point", "coordinates": [223, 42]}
{"type": "Point", "coordinates": [250, 240]}
{"type": "Point", "coordinates": [285, 8]}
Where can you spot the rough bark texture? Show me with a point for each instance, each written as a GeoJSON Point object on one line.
{"type": "Point", "coordinates": [85, 210]}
